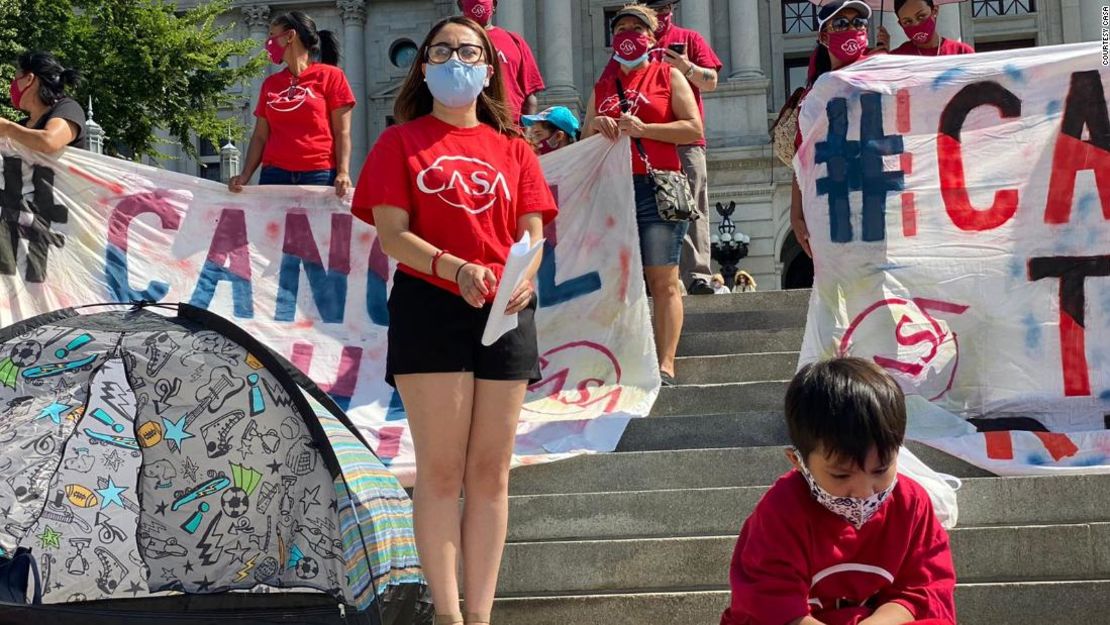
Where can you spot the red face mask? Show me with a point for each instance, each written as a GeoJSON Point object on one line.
{"type": "Point", "coordinates": [664, 23]}
{"type": "Point", "coordinates": [15, 92]}
{"type": "Point", "coordinates": [923, 32]}
{"type": "Point", "coordinates": [275, 50]}
{"type": "Point", "coordinates": [631, 46]}
{"type": "Point", "coordinates": [848, 45]}
{"type": "Point", "coordinates": [480, 11]}
{"type": "Point", "coordinates": [548, 145]}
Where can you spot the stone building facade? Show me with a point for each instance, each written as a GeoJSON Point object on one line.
{"type": "Point", "coordinates": [764, 45]}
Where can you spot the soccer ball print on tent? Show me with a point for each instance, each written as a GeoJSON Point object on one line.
{"type": "Point", "coordinates": [143, 454]}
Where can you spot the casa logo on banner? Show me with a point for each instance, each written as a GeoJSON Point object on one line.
{"type": "Point", "coordinates": [463, 182]}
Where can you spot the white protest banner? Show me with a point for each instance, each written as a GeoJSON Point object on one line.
{"type": "Point", "coordinates": [959, 213]}
{"type": "Point", "coordinates": [294, 268]}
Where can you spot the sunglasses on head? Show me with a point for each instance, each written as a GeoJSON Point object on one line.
{"type": "Point", "coordinates": [843, 23]}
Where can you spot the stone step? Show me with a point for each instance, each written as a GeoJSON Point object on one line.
{"type": "Point", "coordinates": [1020, 603]}
{"type": "Point", "coordinates": [743, 429]}
{"type": "Point", "coordinates": [721, 511]}
{"type": "Point", "coordinates": [739, 341]}
{"type": "Point", "coordinates": [709, 399]}
{"type": "Point", "coordinates": [683, 469]}
{"type": "Point", "coordinates": [766, 319]}
{"type": "Point", "coordinates": [741, 302]}
{"type": "Point", "coordinates": [728, 368]}
{"type": "Point", "coordinates": [981, 554]}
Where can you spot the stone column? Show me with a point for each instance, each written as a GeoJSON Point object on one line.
{"type": "Point", "coordinates": [695, 16]}
{"type": "Point", "coordinates": [948, 22]}
{"type": "Point", "coordinates": [557, 54]}
{"type": "Point", "coordinates": [353, 13]}
{"type": "Point", "coordinates": [1090, 19]}
{"type": "Point", "coordinates": [257, 19]}
{"type": "Point", "coordinates": [743, 21]}
{"type": "Point", "coordinates": [510, 15]}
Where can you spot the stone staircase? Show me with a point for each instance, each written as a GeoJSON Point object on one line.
{"type": "Point", "coordinates": [644, 536]}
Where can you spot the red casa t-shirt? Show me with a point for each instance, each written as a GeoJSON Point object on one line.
{"type": "Point", "coordinates": [795, 558]}
{"type": "Point", "coordinates": [948, 47]}
{"type": "Point", "coordinates": [519, 73]}
{"type": "Point", "coordinates": [298, 110]}
{"type": "Point", "coordinates": [464, 189]}
{"type": "Point", "coordinates": [648, 92]}
{"type": "Point", "coordinates": [699, 53]}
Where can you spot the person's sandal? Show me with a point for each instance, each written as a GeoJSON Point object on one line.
{"type": "Point", "coordinates": [477, 619]}
{"type": "Point", "coordinates": [449, 619]}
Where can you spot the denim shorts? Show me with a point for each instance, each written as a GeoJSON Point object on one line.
{"type": "Point", "coordinates": [277, 175]}
{"type": "Point", "coordinates": [660, 240]}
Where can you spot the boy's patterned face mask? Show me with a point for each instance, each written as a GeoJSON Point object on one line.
{"type": "Point", "coordinates": [855, 510]}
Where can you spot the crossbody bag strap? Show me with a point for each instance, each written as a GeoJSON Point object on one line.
{"type": "Point", "coordinates": [626, 107]}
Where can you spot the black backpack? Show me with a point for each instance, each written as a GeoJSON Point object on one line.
{"type": "Point", "coordinates": [14, 577]}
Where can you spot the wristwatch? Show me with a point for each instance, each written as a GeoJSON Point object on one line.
{"type": "Point", "coordinates": [690, 72]}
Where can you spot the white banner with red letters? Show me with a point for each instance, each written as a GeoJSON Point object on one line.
{"type": "Point", "coordinates": [959, 214]}
{"type": "Point", "coordinates": [291, 266]}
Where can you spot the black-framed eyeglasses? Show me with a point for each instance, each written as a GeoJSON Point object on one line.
{"type": "Point", "coordinates": [843, 23]}
{"type": "Point", "coordinates": [468, 53]}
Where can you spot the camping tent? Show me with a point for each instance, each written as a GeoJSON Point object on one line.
{"type": "Point", "coordinates": [161, 464]}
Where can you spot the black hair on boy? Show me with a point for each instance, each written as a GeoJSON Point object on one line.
{"type": "Point", "coordinates": [846, 406]}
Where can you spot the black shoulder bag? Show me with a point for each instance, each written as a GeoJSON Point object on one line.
{"type": "Point", "coordinates": [673, 197]}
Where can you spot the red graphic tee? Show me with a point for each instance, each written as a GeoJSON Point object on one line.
{"type": "Point", "coordinates": [795, 558]}
{"type": "Point", "coordinates": [299, 112]}
{"type": "Point", "coordinates": [464, 189]}
{"type": "Point", "coordinates": [699, 53]}
{"type": "Point", "coordinates": [519, 73]}
{"type": "Point", "coordinates": [948, 47]}
{"type": "Point", "coordinates": [648, 92]}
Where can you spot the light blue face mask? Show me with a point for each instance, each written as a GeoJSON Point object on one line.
{"type": "Point", "coordinates": [633, 62]}
{"type": "Point", "coordinates": [454, 83]}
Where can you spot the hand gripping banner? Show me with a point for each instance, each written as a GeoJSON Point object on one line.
{"type": "Point", "coordinates": [291, 266]}
{"type": "Point", "coordinates": [959, 213]}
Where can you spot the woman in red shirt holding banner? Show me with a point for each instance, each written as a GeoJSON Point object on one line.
{"type": "Point", "coordinates": [449, 190]}
{"type": "Point", "coordinates": [918, 18]}
{"type": "Point", "coordinates": [652, 102]}
{"type": "Point", "coordinates": [302, 131]}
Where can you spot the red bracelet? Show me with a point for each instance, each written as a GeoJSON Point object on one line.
{"type": "Point", "coordinates": [435, 261]}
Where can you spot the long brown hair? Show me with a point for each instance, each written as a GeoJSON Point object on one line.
{"type": "Point", "coordinates": [415, 100]}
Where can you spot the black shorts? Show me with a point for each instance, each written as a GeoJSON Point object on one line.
{"type": "Point", "coordinates": [432, 330]}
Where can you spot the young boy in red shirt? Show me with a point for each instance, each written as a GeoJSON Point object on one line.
{"type": "Point", "coordinates": [842, 539]}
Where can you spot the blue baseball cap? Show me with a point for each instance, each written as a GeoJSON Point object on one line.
{"type": "Point", "coordinates": [558, 116]}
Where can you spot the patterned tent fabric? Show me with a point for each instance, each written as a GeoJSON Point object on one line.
{"type": "Point", "coordinates": [371, 503]}
{"type": "Point", "coordinates": [141, 454]}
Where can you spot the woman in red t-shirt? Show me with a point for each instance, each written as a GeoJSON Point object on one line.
{"type": "Point", "coordinates": [652, 102]}
{"type": "Point", "coordinates": [918, 18]}
{"type": "Point", "coordinates": [450, 189]}
{"type": "Point", "coordinates": [841, 41]}
{"type": "Point", "coordinates": [302, 132]}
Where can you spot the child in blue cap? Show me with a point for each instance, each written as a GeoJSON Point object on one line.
{"type": "Point", "coordinates": [551, 129]}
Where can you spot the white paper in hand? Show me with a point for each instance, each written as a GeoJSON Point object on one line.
{"type": "Point", "coordinates": [521, 255]}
